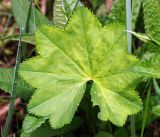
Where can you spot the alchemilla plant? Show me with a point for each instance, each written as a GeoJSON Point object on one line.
{"type": "Point", "coordinates": [84, 55]}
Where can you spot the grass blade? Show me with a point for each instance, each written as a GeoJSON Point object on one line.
{"type": "Point", "coordinates": [133, 130]}
{"type": "Point", "coordinates": [157, 89]}
{"type": "Point", "coordinates": [146, 108]}
{"type": "Point", "coordinates": [129, 44]}
{"type": "Point", "coordinates": [129, 24]}
{"type": "Point", "coordinates": [13, 90]}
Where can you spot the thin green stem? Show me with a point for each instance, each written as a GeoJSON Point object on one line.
{"type": "Point", "coordinates": [76, 5]}
{"type": "Point", "coordinates": [133, 130]}
{"type": "Point", "coordinates": [13, 90]}
{"type": "Point", "coordinates": [129, 24]}
{"type": "Point", "coordinates": [146, 109]}
{"type": "Point", "coordinates": [129, 45]}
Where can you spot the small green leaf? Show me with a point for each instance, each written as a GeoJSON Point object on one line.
{"type": "Point", "coordinates": [31, 123]}
{"type": "Point", "coordinates": [142, 37]}
{"type": "Point", "coordinates": [156, 110]}
{"type": "Point", "coordinates": [43, 131]}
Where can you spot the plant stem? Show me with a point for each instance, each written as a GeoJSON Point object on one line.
{"type": "Point", "coordinates": [76, 5]}
{"type": "Point", "coordinates": [129, 24]}
{"type": "Point", "coordinates": [129, 43]}
{"type": "Point", "coordinates": [13, 90]}
{"type": "Point", "coordinates": [133, 130]}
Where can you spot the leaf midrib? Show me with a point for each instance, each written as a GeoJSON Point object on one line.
{"type": "Point", "coordinates": [86, 43]}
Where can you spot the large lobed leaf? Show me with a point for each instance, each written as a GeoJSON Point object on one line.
{"type": "Point", "coordinates": [69, 58]}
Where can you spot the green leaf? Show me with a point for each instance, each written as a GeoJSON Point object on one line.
{"type": "Point", "coordinates": [142, 37]}
{"type": "Point", "coordinates": [59, 18]}
{"type": "Point", "coordinates": [150, 59]}
{"type": "Point", "coordinates": [157, 89]}
{"type": "Point", "coordinates": [145, 38]}
{"type": "Point", "coordinates": [69, 58]}
{"type": "Point", "coordinates": [6, 78]}
{"type": "Point", "coordinates": [151, 65]}
{"type": "Point", "coordinates": [156, 110]}
{"type": "Point", "coordinates": [21, 12]}
{"type": "Point", "coordinates": [151, 9]}
{"type": "Point", "coordinates": [31, 123]}
{"type": "Point", "coordinates": [43, 129]}
{"type": "Point", "coordinates": [146, 109]}
{"type": "Point", "coordinates": [63, 10]}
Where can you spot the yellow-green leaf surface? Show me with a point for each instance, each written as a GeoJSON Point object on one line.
{"type": "Point", "coordinates": [68, 59]}
{"type": "Point", "coordinates": [31, 123]}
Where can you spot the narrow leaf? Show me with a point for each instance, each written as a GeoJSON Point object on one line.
{"type": "Point", "coordinates": [21, 11]}
{"type": "Point", "coordinates": [157, 89]}
{"type": "Point", "coordinates": [146, 110]}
